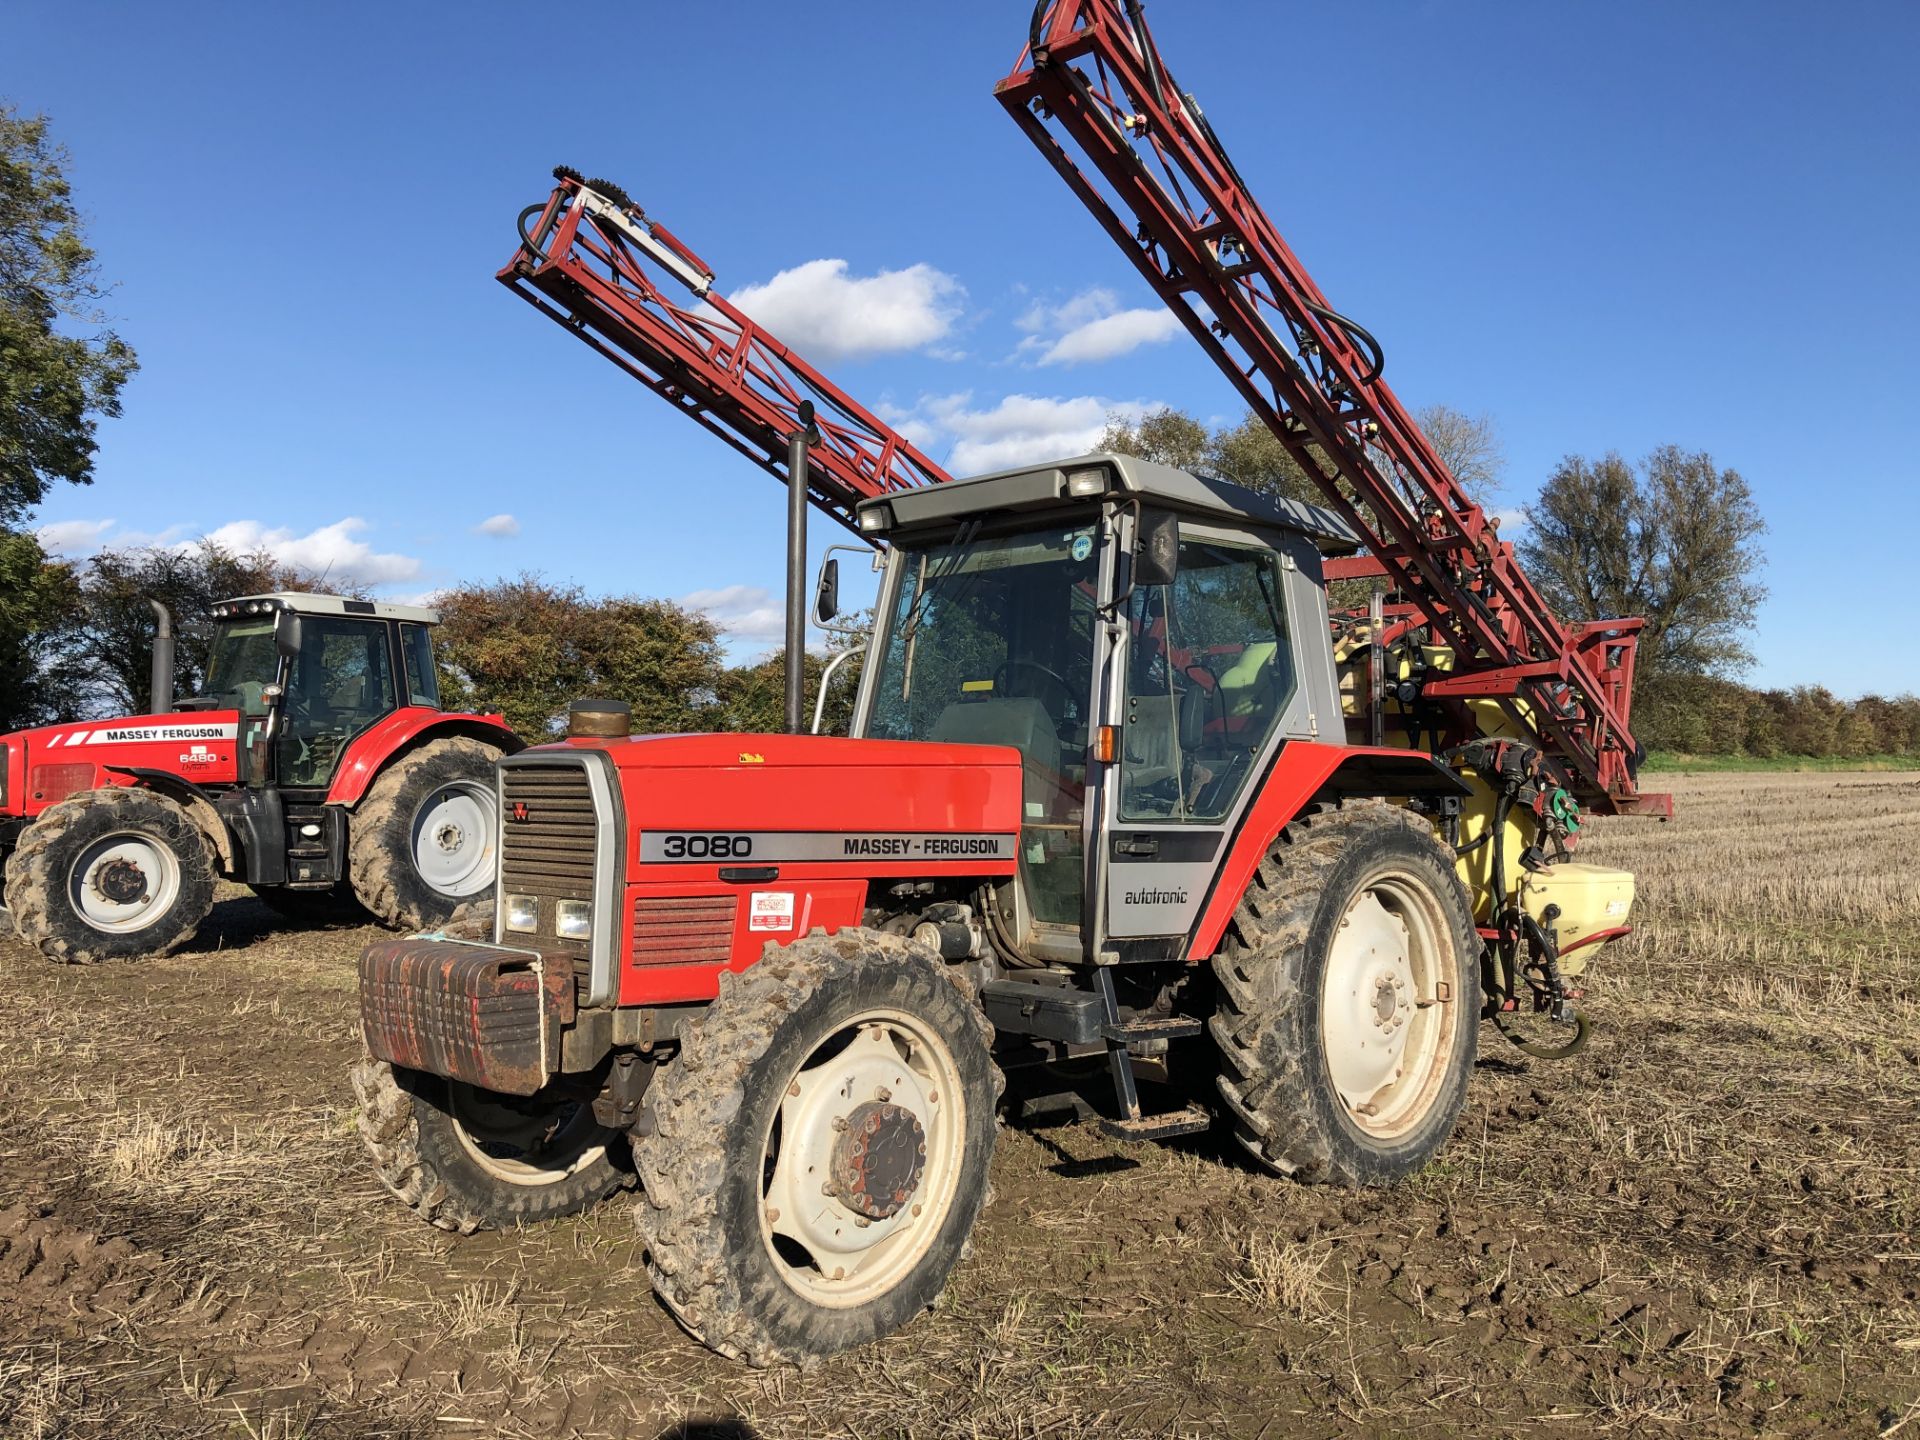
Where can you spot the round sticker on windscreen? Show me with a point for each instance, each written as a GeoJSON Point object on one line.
{"type": "Point", "coordinates": [1082, 546]}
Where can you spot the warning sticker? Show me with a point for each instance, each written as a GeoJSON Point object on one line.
{"type": "Point", "coordinates": [770, 910]}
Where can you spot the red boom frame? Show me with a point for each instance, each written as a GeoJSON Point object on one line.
{"type": "Point", "coordinates": [1176, 206]}
{"type": "Point", "coordinates": [594, 263]}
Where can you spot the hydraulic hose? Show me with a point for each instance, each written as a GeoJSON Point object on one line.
{"type": "Point", "coordinates": [1359, 334]}
{"type": "Point", "coordinates": [526, 240]}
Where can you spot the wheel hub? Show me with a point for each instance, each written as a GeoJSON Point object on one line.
{"type": "Point", "coordinates": [121, 881]}
{"type": "Point", "coordinates": [1369, 1001]}
{"type": "Point", "coordinates": [1390, 1001]}
{"type": "Point", "coordinates": [449, 837]}
{"type": "Point", "coordinates": [877, 1160]}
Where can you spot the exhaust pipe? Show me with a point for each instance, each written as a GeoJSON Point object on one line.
{"type": "Point", "coordinates": [160, 682]}
{"type": "Point", "coordinates": [797, 481]}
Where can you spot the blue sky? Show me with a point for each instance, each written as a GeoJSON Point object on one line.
{"type": "Point", "coordinates": [1608, 226]}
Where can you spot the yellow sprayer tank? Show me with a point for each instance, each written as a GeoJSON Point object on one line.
{"type": "Point", "coordinates": [1592, 898]}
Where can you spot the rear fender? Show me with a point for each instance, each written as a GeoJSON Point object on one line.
{"type": "Point", "coordinates": [1304, 774]}
{"type": "Point", "coordinates": [373, 750]}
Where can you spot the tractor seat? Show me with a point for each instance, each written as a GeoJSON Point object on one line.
{"type": "Point", "coordinates": [1019, 721]}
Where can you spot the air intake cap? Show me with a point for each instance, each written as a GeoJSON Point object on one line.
{"type": "Point", "coordinates": [599, 720]}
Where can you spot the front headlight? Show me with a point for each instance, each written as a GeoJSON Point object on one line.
{"type": "Point", "coordinates": [573, 920]}
{"type": "Point", "coordinates": [523, 914]}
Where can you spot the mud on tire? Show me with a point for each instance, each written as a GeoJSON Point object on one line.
{"type": "Point", "coordinates": [1270, 1026]}
{"type": "Point", "coordinates": [383, 835]}
{"type": "Point", "coordinates": [45, 879]}
{"type": "Point", "coordinates": [427, 1157]}
{"type": "Point", "coordinates": [711, 1114]}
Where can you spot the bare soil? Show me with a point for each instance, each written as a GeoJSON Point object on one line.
{"type": "Point", "coordinates": [1703, 1226]}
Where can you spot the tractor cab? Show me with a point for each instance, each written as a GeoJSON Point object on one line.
{"type": "Point", "coordinates": [1113, 609]}
{"type": "Point", "coordinates": [328, 667]}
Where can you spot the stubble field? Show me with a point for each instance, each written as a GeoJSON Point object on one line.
{"type": "Point", "coordinates": [1706, 1225]}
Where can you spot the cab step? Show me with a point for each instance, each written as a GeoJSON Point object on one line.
{"type": "Point", "coordinates": [1189, 1121]}
{"type": "Point", "coordinates": [1133, 1032]}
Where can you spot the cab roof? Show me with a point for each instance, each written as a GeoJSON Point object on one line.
{"type": "Point", "coordinates": [302, 603]}
{"type": "Point", "coordinates": [1044, 486]}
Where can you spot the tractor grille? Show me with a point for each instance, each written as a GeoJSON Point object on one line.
{"type": "Point", "coordinates": [683, 930]}
{"type": "Point", "coordinates": [547, 841]}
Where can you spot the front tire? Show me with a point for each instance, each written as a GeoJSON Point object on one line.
{"type": "Point", "coordinates": [815, 1158]}
{"type": "Point", "coordinates": [110, 874]}
{"type": "Point", "coordinates": [422, 841]}
{"type": "Point", "coordinates": [1349, 999]}
{"type": "Point", "coordinates": [467, 1159]}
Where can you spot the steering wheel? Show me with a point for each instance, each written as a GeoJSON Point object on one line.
{"type": "Point", "coordinates": [1057, 713]}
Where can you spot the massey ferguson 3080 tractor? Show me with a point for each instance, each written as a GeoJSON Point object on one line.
{"type": "Point", "coordinates": [317, 768]}
{"type": "Point", "coordinates": [1096, 802]}
{"type": "Point", "coordinates": [1121, 786]}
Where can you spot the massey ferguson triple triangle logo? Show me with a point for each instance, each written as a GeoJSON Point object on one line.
{"type": "Point", "coordinates": [520, 811]}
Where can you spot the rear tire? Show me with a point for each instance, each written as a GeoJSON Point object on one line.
{"type": "Point", "coordinates": [422, 842]}
{"type": "Point", "coordinates": [467, 1159]}
{"type": "Point", "coordinates": [831, 1040]}
{"type": "Point", "coordinates": [1343, 1058]}
{"type": "Point", "coordinates": [110, 874]}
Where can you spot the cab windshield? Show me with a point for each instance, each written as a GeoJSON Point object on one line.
{"type": "Point", "coordinates": [242, 663]}
{"type": "Point", "coordinates": [991, 642]}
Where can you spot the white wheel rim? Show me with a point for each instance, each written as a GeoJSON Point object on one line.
{"type": "Point", "coordinates": [826, 1250]}
{"type": "Point", "coordinates": [523, 1146]}
{"type": "Point", "coordinates": [1387, 1020]}
{"type": "Point", "coordinates": [124, 882]}
{"type": "Point", "coordinates": [453, 838]}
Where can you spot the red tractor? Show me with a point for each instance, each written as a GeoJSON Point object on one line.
{"type": "Point", "coordinates": [1096, 805]}
{"type": "Point", "coordinates": [318, 768]}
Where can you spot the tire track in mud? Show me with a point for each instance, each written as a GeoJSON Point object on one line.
{"type": "Point", "coordinates": [182, 1346]}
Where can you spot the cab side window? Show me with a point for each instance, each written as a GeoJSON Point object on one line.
{"type": "Point", "coordinates": [423, 680]}
{"type": "Point", "coordinates": [1209, 675]}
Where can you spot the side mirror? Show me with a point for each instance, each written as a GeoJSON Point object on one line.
{"type": "Point", "coordinates": [286, 633]}
{"type": "Point", "coordinates": [1156, 548]}
{"type": "Point", "coordinates": [826, 594]}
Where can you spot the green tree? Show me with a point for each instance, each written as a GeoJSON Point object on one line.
{"type": "Point", "coordinates": [1248, 453]}
{"type": "Point", "coordinates": [526, 648]}
{"type": "Point", "coordinates": [61, 365]}
{"type": "Point", "coordinates": [61, 369]}
{"type": "Point", "coordinates": [37, 595]}
{"type": "Point", "coordinates": [98, 659]}
{"type": "Point", "coordinates": [1675, 539]}
{"type": "Point", "coordinates": [1168, 436]}
{"type": "Point", "coordinates": [1245, 453]}
{"type": "Point", "coordinates": [753, 697]}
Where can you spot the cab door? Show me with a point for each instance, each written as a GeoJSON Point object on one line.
{"type": "Point", "coordinates": [1208, 685]}
{"type": "Point", "coordinates": [340, 684]}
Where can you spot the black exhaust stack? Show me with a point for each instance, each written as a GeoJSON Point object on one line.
{"type": "Point", "coordinates": [797, 481]}
{"type": "Point", "coordinates": [161, 681]}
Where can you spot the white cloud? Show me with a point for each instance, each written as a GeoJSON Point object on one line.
{"type": "Point", "coordinates": [829, 315]}
{"type": "Point", "coordinates": [1112, 335]}
{"type": "Point", "coordinates": [1090, 327]}
{"type": "Point", "coordinates": [73, 537]}
{"type": "Point", "coordinates": [330, 552]}
{"type": "Point", "coordinates": [746, 614]}
{"type": "Point", "coordinates": [501, 527]}
{"type": "Point", "coordinates": [1020, 429]}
